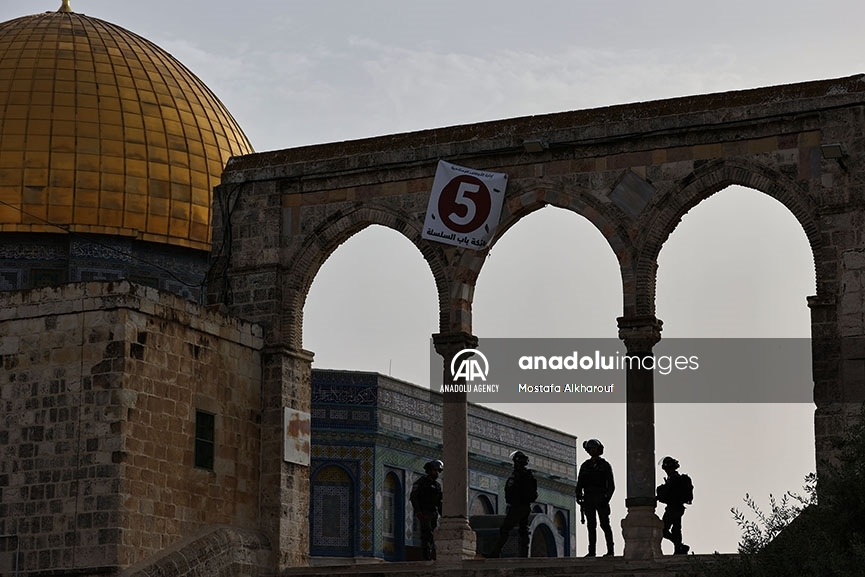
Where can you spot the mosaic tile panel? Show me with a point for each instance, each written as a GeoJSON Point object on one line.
{"type": "Point", "coordinates": [10, 279]}
{"type": "Point", "coordinates": [402, 441]}
{"type": "Point", "coordinates": [417, 412]}
{"type": "Point", "coordinates": [87, 275]}
{"type": "Point", "coordinates": [332, 512]}
{"type": "Point", "coordinates": [33, 248]}
{"type": "Point", "coordinates": [46, 259]}
{"type": "Point", "coordinates": [344, 400]}
{"type": "Point", "coordinates": [44, 277]}
{"type": "Point", "coordinates": [360, 460]}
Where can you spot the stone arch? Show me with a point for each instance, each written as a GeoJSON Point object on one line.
{"type": "Point", "coordinates": [561, 523]}
{"type": "Point", "coordinates": [320, 243]}
{"type": "Point", "coordinates": [482, 505]}
{"type": "Point", "coordinates": [470, 264]}
{"type": "Point", "coordinates": [544, 540]}
{"type": "Point", "coordinates": [701, 184]}
{"type": "Point", "coordinates": [393, 517]}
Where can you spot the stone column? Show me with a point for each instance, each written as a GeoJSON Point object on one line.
{"type": "Point", "coordinates": [455, 539]}
{"type": "Point", "coordinates": [829, 358]}
{"type": "Point", "coordinates": [641, 527]}
{"type": "Point", "coordinates": [284, 487]}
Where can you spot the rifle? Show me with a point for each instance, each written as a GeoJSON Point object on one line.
{"type": "Point", "coordinates": [582, 512]}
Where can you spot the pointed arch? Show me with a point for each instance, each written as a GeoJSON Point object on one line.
{"type": "Point", "coordinates": [333, 231]}
{"type": "Point", "coordinates": [615, 234]}
{"type": "Point", "coordinates": [705, 181]}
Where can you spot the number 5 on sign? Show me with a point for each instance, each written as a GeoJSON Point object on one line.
{"type": "Point", "coordinates": [472, 189]}
{"type": "Point", "coordinates": [464, 206]}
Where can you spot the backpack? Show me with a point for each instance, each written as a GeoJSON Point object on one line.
{"type": "Point", "coordinates": [687, 489]}
{"type": "Point", "coordinates": [680, 492]}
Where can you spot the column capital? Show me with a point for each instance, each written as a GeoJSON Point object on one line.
{"type": "Point", "coordinates": [640, 333]}
{"type": "Point", "coordinates": [449, 344]}
{"type": "Point", "coordinates": [290, 352]}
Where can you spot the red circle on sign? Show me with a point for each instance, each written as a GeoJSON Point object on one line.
{"type": "Point", "coordinates": [464, 204]}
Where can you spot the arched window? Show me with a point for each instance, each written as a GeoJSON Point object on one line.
{"type": "Point", "coordinates": [332, 517]}
{"type": "Point", "coordinates": [392, 518]}
{"type": "Point", "coordinates": [561, 523]}
{"type": "Point", "coordinates": [482, 505]}
{"type": "Point", "coordinates": [543, 543]}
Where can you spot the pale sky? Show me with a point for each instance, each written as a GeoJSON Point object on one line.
{"type": "Point", "coordinates": [296, 74]}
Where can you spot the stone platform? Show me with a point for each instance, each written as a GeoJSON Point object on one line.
{"type": "Point", "coordinates": [669, 566]}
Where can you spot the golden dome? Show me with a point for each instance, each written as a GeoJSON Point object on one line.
{"type": "Point", "coordinates": [103, 132]}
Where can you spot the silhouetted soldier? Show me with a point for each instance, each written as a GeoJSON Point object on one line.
{"type": "Point", "coordinates": [521, 490]}
{"type": "Point", "coordinates": [426, 499]}
{"type": "Point", "coordinates": [595, 487]}
{"type": "Point", "coordinates": [676, 491]}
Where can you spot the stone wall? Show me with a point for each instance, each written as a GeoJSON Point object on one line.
{"type": "Point", "coordinates": [100, 384]}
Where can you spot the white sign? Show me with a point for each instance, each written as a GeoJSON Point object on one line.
{"type": "Point", "coordinates": [465, 206]}
{"type": "Point", "coordinates": [297, 438]}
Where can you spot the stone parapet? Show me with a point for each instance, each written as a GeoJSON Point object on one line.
{"type": "Point", "coordinates": [105, 296]}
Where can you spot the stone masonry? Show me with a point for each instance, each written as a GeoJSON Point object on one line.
{"type": "Point", "coordinates": [100, 384]}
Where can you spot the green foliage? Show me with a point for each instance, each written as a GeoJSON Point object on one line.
{"type": "Point", "coordinates": [758, 533]}
{"type": "Point", "coordinates": [818, 533]}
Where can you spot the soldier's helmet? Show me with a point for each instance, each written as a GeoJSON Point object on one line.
{"type": "Point", "coordinates": [519, 457]}
{"type": "Point", "coordinates": [434, 465]}
{"type": "Point", "coordinates": [669, 463]}
{"type": "Point", "coordinates": [593, 443]}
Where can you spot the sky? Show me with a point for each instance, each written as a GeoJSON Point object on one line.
{"type": "Point", "coordinates": [296, 74]}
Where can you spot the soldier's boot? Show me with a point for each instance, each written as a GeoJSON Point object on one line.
{"type": "Point", "coordinates": [609, 546]}
{"type": "Point", "coordinates": [593, 539]}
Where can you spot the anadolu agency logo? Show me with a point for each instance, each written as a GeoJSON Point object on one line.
{"type": "Point", "coordinates": [472, 366]}
{"type": "Point", "coordinates": [469, 367]}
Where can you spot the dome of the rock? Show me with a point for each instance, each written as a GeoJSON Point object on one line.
{"type": "Point", "coordinates": [101, 131]}
{"type": "Point", "coordinates": [109, 152]}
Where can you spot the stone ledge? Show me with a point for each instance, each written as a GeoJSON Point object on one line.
{"type": "Point", "coordinates": [668, 566]}
{"type": "Point", "coordinates": [623, 120]}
